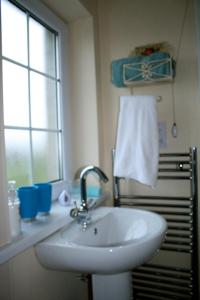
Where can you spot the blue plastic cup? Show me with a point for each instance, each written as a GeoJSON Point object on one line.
{"type": "Point", "coordinates": [28, 197]}
{"type": "Point", "coordinates": [44, 195]}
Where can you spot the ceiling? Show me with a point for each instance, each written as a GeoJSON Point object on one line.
{"type": "Point", "coordinates": [67, 10]}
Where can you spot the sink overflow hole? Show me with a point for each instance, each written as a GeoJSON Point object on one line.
{"type": "Point", "coordinates": [95, 231]}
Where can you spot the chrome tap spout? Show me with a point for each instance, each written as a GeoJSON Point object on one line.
{"type": "Point", "coordinates": [83, 186]}
{"type": "Point", "coordinates": [81, 214]}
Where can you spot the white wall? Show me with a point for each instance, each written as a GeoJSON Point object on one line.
{"type": "Point", "coordinates": [24, 278]}
{"type": "Point", "coordinates": [125, 24]}
{"type": "Point", "coordinates": [197, 9]}
{"type": "Point", "coordinates": [85, 147]}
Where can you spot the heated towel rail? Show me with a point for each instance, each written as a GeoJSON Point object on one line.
{"type": "Point", "coordinates": [173, 272]}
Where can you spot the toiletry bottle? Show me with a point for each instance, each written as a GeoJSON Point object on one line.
{"type": "Point", "coordinates": [13, 204]}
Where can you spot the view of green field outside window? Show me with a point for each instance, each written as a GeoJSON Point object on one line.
{"type": "Point", "coordinates": [30, 95]}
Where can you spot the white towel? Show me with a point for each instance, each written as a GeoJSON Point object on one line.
{"type": "Point", "coordinates": [137, 150]}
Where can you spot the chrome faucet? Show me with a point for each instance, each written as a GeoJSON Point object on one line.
{"type": "Point", "coordinates": [81, 213]}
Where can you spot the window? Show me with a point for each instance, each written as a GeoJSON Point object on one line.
{"type": "Point", "coordinates": [31, 85]}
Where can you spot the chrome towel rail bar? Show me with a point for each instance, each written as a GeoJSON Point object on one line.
{"type": "Point", "coordinates": [163, 280]}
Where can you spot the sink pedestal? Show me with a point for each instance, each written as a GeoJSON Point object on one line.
{"type": "Point", "coordinates": [116, 286]}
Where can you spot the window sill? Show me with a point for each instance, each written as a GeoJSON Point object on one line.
{"type": "Point", "coordinates": [34, 232]}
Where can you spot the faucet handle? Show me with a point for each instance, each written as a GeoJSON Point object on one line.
{"type": "Point", "coordinates": [74, 211]}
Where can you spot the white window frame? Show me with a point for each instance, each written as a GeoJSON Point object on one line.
{"type": "Point", "coordinates": [45, 15]}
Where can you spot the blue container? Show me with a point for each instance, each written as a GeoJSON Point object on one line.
{"type": "Point", "coordinates": [45, 195]}
{"type": "Point", "coordinates": [29, 198]}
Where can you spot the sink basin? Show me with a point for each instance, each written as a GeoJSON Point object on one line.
{"type": "Point", "coordinates": [117, 240]}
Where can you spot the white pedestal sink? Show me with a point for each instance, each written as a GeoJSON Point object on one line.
{"type": "Point", "coordinates": [117, 240]}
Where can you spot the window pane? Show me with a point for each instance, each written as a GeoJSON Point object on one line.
{"type": "Point", "coordinates": [43, 102]}
{"type": "Point", "coordinates": [30, 97]}
{"type": "Point", "coordinates": [42, 48]}
{"type": "Point", "coordinates": [15, 95]}
{"type": "Point", "coordinates": [14, 32]}
{"type": "Point", "coordinates": [45, 156]}
{"type": "Point", "coordinates": [18, 156]}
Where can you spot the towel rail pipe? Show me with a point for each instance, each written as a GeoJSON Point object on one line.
{"type": "Point", "coordinates": [181, 217]}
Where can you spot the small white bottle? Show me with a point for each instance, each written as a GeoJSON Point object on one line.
{"type": "Point", "coordinates": [13, 204]}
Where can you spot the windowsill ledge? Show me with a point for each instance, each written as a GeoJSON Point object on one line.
{"type": "Point", "coordinates": [41, 228]}
{"type": "Point", "coordinates": [36, 231]}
